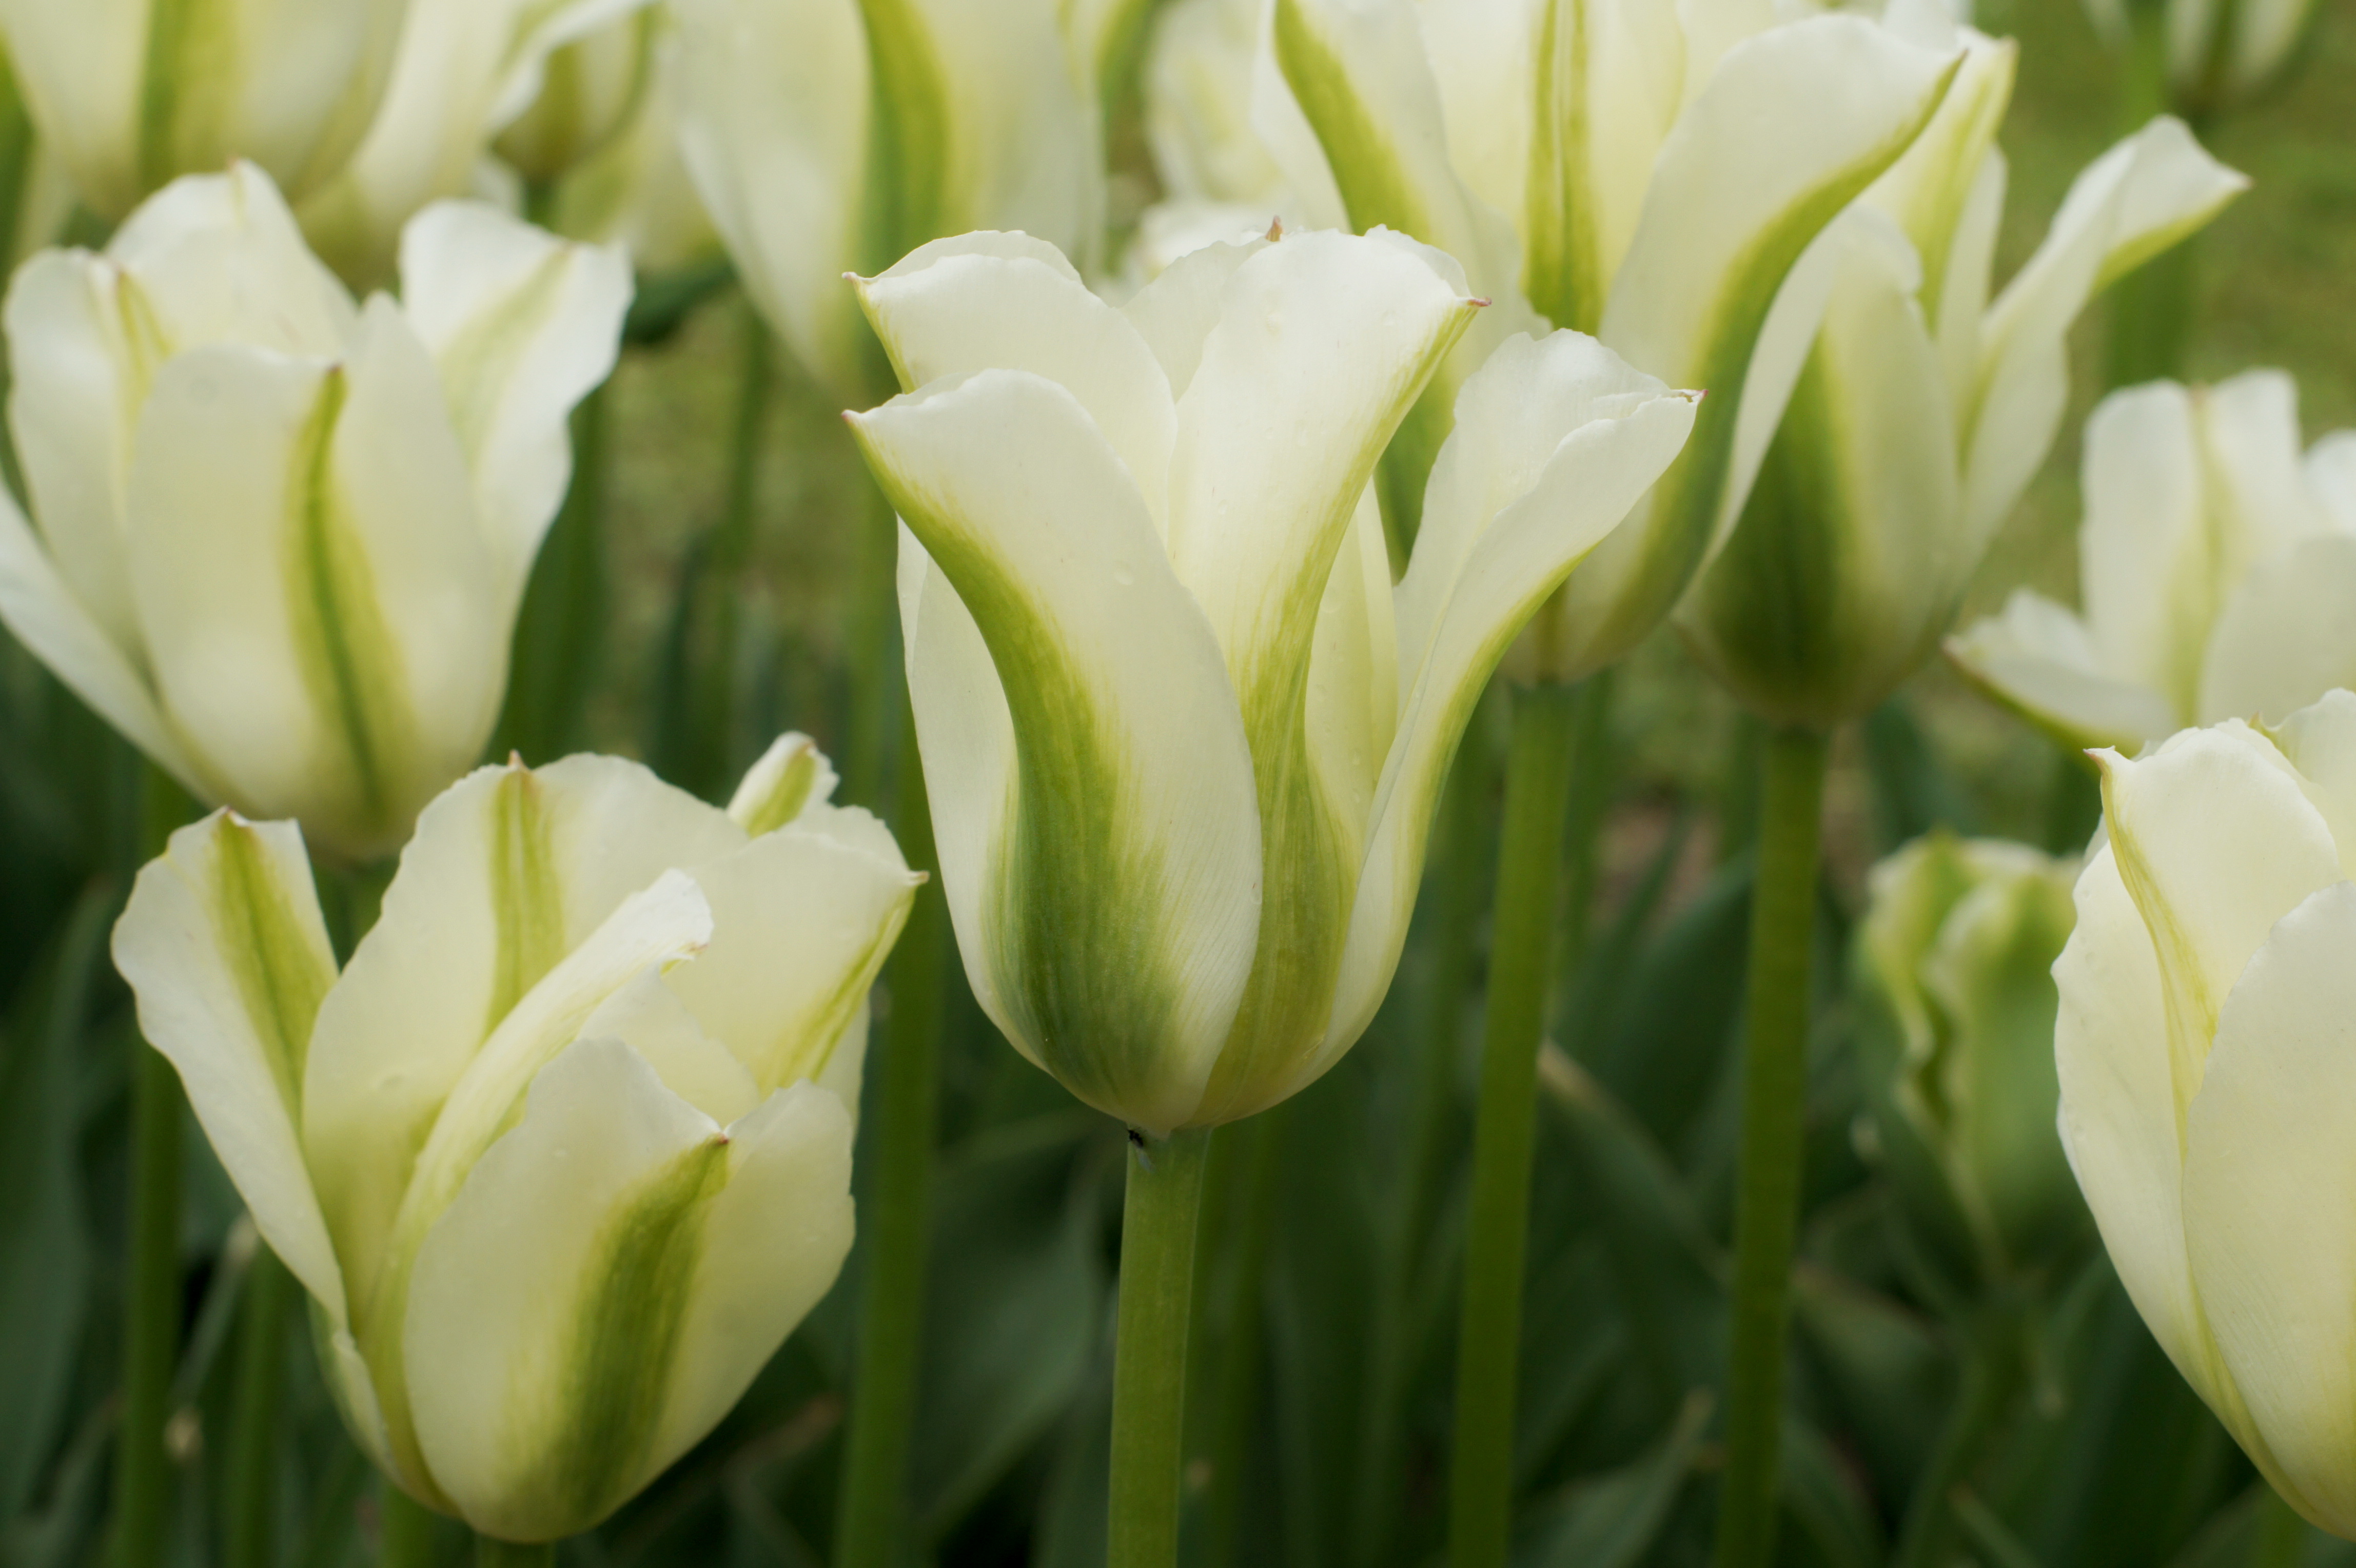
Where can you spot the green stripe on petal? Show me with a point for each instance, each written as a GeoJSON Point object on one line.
{"type": "Point", "coordinates": [270, 950]}
{"type": "Point", "coordinates": [527, 896]}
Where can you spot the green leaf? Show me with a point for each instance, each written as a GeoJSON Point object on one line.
{"type": "Point", "coordinates": [1612, 1519]}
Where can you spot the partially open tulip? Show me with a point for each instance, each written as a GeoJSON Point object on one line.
{"type": "Point", "coordinates": [564, 1152]}
{"type": "Point", "coordinates": [590, 90]}
{"type": "Point", "coordinates": [282, 537]}
{"type": "Point", "coordinates": [133, 94]}
{"type": "Point", "coordinates": [2217, 566]}
{"type": "Point", "coordinates": [830, 136]}
{"type": "Point", "coordinates": [1184, 735]}
{"type": "Point", "coordinates": [1921, 410]}
{"type": "Point", "coordinates": [2208, 1086]}
{"type": "Point", "coordinates": [2220, 53]}
{"type": "Point", "coordinates": [1953, 979]}
{"type": "Point", "coordinates": [1645, 172]}
{"type": "Point", "coordinates": [466, 69]}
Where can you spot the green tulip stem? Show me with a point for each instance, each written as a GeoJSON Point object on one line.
{"type": "Point", "coordinates": [873, 1507]}
{"type": "Point", "coordinates": [489, 1553]}
{"type": "Point", "coordinates": [1995, 1369]}
{"type": "Point", "coordinates": [2280, 1539]}
{"type": "Point", "coordinates": [1504, 1132]}
{"type": "Point", "coordinates": [1767, 1190]}
{"type": "Point", "coordinates": [410, 1532]}
{"type": "Point", "coordinates": [252, 1505]}
{"type": "Point", "coordinates": [143, 1472]}
{"type": "Point", "coordinates": [1149, 1380]}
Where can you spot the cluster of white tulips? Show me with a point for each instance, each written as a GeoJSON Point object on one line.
{"type": "Point", "coordinates": [1470, 335]}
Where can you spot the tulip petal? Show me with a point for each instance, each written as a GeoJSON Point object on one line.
{"type": "Point", "coordinates": [802, 919]}
{"type": "Point", "coordinates": [313, 590]}
{"type": "Point", "coordinates": [791, 777]}
{"type": "Point", "coordinates": [2130, 204]}
{"type": "Point", "coordinates": [648, 1016]}
{"type": "Point", "coordinates": [2286, 636]}
{"type": "Point", "coordinates": [2039, 660]}
{"type": "Point", "coordinates": [1114, 907]}
{"type": "Point", "coordinates": [2266, 1138]}
{"type": "Point", "coordinates": [510, 869]}
{"type": "Point", "coordinates": [2119, 1121]}
{"type": "Point", "coordinates": [2150, 588]}
{"type": "Point", "coordinates": [224, 947]}
{"type": "Point", "coordinates": [521, 325]}
{"type": "Point", "coordinates": [954, 307]}
{"type": "Point", "coordinates": [1176, 312]}
{"type": "Point", "coordinates": [2320, 741]}
{"type": "Point", "coordinates": [218, 258]}
{"type": "Point", "coordinates": [774, 120]}
{"type": "Point", "coordinates": [1597, 472]}
{"type": "Point", "coordinates": [1793, 124]}
{"type": "Point", "coordinates": [1352, 712]}
{"type": "Point", "coordinates": [2331, 476]}
{"type": "Point", "coordinates": [81, 67]}
{"type": "Point", "coordinates": [570, 1329]}
{"type": "Point", "coordinates": [2215, 840]}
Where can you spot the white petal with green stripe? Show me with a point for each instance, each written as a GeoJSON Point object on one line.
{"type": "Point", "coordinates": [2039, 660]}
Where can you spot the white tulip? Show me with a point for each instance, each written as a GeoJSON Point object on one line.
{"type": "Point", "coordinates": [1921, 410]}
{"type": "Point", "coordinates": [1184, 735]}
{"type": "Point", "coordinates": [814, 165]}
{"type": "Point", "coordinates": [283, 536]}
{"type": "Point", "coordinates": [2216, 563]}
{"type": "Point", "coordinates": [633, 189]}
{"type": "Point", "coordinates": [1646, 172]}
{"type": "Point", "coordinates": [2221, 53]}
{"type": "Point", "coordinates": [466, 69]}
{"type": "Point", "coordinates": [564, 1152]}
{"type": "Point", "coordinates": [2207, 1079]}
{"type": "Point", "coordinates": [133, 94]}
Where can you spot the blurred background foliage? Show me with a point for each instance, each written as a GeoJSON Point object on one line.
{"type": "Point", "coordinates": [716, 613]}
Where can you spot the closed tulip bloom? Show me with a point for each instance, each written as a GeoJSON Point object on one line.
{"type": "Point", "coordinates": [466, 69]}
{"type": "Point", "coordinates": [2207, 1081]}
{"type": "Point", "coordinates": [590, 90]}
{"type": "Point", "coordinates": [2216, 564]}
{"type": "Point", "coordinates": [633, 189]}
{"type": "Point", "coordinates": [830, 136]}
{"type": "Point", "coordinates": [1218, 179]}
{"type": "Point", "coordinates": [1952, 974]}
{"type": "Point", "coordinates": [1644, 172]}
{"type": "Point", "coordinates": [133, 94]}
{"type": "Point", "coordinates": [1183, 732]}
{"type": "Point", "coordinates": [564, 1152]}
{"type": "Point", "coordinates": [2221, 53]}
{"type": "Point", "coordinates": [1922, 409]}
{"type": "Point", "coordinates": [282, 537]}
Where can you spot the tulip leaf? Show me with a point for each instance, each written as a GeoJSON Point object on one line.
{"type": "Point", "coordinates": [1612, 1519]}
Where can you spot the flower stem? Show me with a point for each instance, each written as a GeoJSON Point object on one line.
{"type": "Point", "coordinates": [873, 1506]}
{"type": "Point", "coordinates": [252, 1505]}
{"type": "Point", "coordinates": [1148, 1379]}
{"type": "Point", "coordinates": [409, 1532]}
{"type": "Point", "coordinates": [489, 1553]}
{"type": "Point", "coordinates": [2281, 1534]}
{"type": "Point", "coordinates": [1489, 1334]}
{"type": "Point", "coordinates": [1767, 1193]}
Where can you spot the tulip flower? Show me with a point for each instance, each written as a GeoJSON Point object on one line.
{"type": "Point", "coordinates": [2215, 564]}
{"type": "Point", "coordinates": [1923, 410]}
{"type": "Point", "coordinates": [1218, 178]}
{"type": "Point", "coordinates": [1952, 974]}
{"type": "Point", "coordinates": [1644, 172]}
{"type": "Point", "coordinates": [830, 136]}
{"type": "Point", "coordinates": [590, 91]}
{"type": "Point", "coordinates": [466, 69]}
{"type": "Point", "coordinates": [2206, 1078]}
{"type": "Point", "coordinates": [564, 1152]}
{"type": "Point", "coordinates": [130, 94]}
{"type": "Point", "coordinates": [1183, 737]}
{"type": "Point", "coordinates": [2219, 55]}
{"type": "Point", "coordinates": [282, 537]}
{"type": "Point", "coordinates": [631, 188]}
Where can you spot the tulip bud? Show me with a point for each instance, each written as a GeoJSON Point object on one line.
{"type": "Point", "coordinates": [830, 136]}
{"type": "Point", "coordinates": [631, 189]}
{"type": "Point", "coordinates": [133, 94]}
{"type": "Point", "coordinates": [282, 537]}
{"type": "Point", "coordinates": [564, 1152]}
{"type": "Point", "coordinates": [465, 69]}
{"type": "Point", "coordinates": [2219, 55]}
{"type": "Point", "coordinates": [1183, 736]}
{"type": "Point", "coordinates": [1953, 977]}
{"type": "Point", "coordinates": [2216, 565]}
{"type": "Point", "coordinates": [2207, 1075]}
{"type": "Point", "coordinates": [589, 91]}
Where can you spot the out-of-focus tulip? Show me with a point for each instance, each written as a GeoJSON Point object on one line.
{"type": "Point", "coordinates": [2216, 564]}
{"type": "Point", "coordinates": [590, 92]}
{"type": "Point", "coordinates": [835, 136]}
{"type": "Point", "coordinates": [1952, 976]}
{"type": "Point", "coordinates": [2221, 53]}
{"type": "Point", "coordinates": [1198, 119]}
{"type": "Point", "coordinates": [282, 537]}
{"type": "Point", "coordinates": [1185, 735]}
{"type": "Point", "coordinates": [634, 189]}
{"type": "Point", "coordinates": [2207, 1079]}
{"type": "Point", "coordinates": [1921, 410]}
{"type": "Point", "coordinates": [1644, 172]}
{"type": "Point", "coordinates": [43, 198]}
{"type": "Point", "coordinates": [131, 94]}
{"type": "Point", "coordinates": [466, 69]}
{"type": "Point", "coordinates": [564, 1152]}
